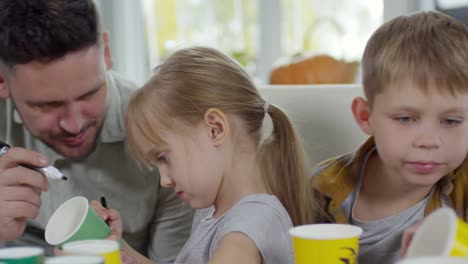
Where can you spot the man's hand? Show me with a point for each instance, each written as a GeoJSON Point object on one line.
{"type": "Point", "coordinates": [20, 191]}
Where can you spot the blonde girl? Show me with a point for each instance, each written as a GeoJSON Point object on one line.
{"type": "Point", "coordinates": [198, 120]}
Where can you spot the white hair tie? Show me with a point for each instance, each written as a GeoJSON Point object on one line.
{"type": "Point", "coordinates": [266, 105]}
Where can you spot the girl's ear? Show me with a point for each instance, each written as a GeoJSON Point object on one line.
{"type": "Point", "coordinates": [218, 127]}
{"type": "Point", "coordinates": [361, 112]}
{"type": "Point", "coordinates": [4, 92]}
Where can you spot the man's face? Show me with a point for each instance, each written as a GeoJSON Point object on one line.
{"type": "Point", "coordinates": [63, 102]}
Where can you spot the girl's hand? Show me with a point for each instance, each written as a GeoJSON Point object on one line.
{"type": "Point", "coordinates": [58, 251]}
{"type": "Point", "coordinates": [408, 235]}
{"type": "Point", "coordinates": [128, 259]}
{"type": "Point", "coordinates": [111, 217]}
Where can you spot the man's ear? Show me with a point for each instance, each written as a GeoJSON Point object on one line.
{"type": "Point", "coordinates": [106, 50]}
{"type": "Point", "coordinates": [218, 127]}
{"type": "Point", "coordinates": [361, 112]}
{"type": "Point", "coordinates": [4, 92]}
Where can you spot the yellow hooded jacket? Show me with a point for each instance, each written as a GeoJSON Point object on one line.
{"type": "Point", "coordinates": [336, 178]}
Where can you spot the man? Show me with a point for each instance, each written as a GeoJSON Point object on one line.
{"type": "Point", "coordinates": [61, 105]}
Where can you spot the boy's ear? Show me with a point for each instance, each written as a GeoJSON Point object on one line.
{"type": "Point", "coordinates": [4, 92]}
{"type": "Point", "coordinates": [361, 112]}
{"type": "Point", "coordinates": [216, 122]}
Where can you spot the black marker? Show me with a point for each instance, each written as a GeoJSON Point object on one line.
{"type": "Point", "coordinates": [104, 204]}
{"type": "Point", "coordinates": [50, 172]}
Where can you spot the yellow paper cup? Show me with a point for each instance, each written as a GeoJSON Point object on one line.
{"type": "Point", "coordinates": [109, 249]}
{"type": "Point", "coordinates": [325, 243]}
{"type": "Point", "coordinates": [22, 255]}
{"type": "Point", "coordinates": [442, 233]}
{"type": "Point", "coordinates": [75, 260]}
{"type": "Point", "coordinates": [434, 260]}
{"type": "Point", "coordinates": [75, 220]}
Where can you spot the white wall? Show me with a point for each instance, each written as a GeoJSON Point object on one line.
{"type": "Point", "coordinates": [393, 8]}
{"type": "Point", "coordinates": [123, 19]}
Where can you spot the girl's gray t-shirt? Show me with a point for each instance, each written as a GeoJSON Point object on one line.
{"type": "Point", "coordinates": [261, 217]}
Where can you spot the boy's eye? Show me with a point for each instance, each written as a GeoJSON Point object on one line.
{"type": "Point", "coordinates": [404, 119]}
{"type": "Point", "coordinates": [451, 121]}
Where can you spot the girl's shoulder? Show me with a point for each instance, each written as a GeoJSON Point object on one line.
{"type": "Point", "coordinates": [259, 205]}
{"type": "Point", "coordinates": [263, 219]}
{"type": "Point", "coordinates": [258, 215]}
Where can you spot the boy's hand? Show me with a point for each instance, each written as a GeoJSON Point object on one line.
{"type": "Point", "coordinates": [408, 235]}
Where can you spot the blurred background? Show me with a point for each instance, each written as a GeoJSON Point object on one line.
{"type": "Point", "coordinates": [274, 40]}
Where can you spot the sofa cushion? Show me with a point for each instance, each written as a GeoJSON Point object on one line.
{"type": "Point", "coordinates": [322, 115]}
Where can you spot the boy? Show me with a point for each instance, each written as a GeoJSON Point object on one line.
{"type": "Point", "coordinates": [415, 79]}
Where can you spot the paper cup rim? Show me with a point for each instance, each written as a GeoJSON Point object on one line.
{"type": "Point", "coordinates": [59, 259]}
{"type": "Point", "coordinates": [55, 215]}
{"type": "Point", "coordinates": [68, 247]}
{"type": "Point", "coordinates": [424, 259]}
{"type": "Point", "coordinates": [12, 252]}
{"type": "Point", "coordinates": [347, 231]}
{"type": "Point", "coordinates": [444, 213]}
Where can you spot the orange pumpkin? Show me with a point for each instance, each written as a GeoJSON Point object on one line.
{"type": "Point", "coordinates": [314, 70]}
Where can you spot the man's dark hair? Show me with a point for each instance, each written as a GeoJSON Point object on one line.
{"type": "Point", "coordinates": [45, 30]}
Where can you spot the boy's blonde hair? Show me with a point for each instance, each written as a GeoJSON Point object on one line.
{"type": "Point", "coordinates": [193, 80]}
{"type": "Point", "coordinates": [427, 48]}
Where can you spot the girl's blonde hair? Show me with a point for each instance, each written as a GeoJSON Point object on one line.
{"type": "Point", "coordinates": [193, 80]}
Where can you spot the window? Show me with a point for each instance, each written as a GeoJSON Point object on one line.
{"type": "Point", "coordinates": [229, 25]}
{"type": "Point", "coordinates": [338, 28]}
{"type": "Point", "coordinates": [335, 27]}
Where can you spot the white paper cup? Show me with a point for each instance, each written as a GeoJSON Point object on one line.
{"type": "Point", "coordinates": [109, 249]}
{"type": "Point", "coordinates": [434, 260]}
{"type": "Point", "coordinates": [22, 255]}
{"type": "Point", "coordinates": [440, 234]}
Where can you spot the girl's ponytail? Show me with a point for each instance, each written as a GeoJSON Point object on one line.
{"type": "Point", "coordinates": [284, 168]}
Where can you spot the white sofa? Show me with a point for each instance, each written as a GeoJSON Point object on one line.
{"type": "Point", "coordinates": [322, 115]}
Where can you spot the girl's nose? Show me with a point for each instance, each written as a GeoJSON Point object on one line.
{"type": "Point", "coordinates": [166, 181]}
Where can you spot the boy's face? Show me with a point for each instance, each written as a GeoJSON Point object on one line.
{"type": "Point", "coordinates": [420, 137]}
